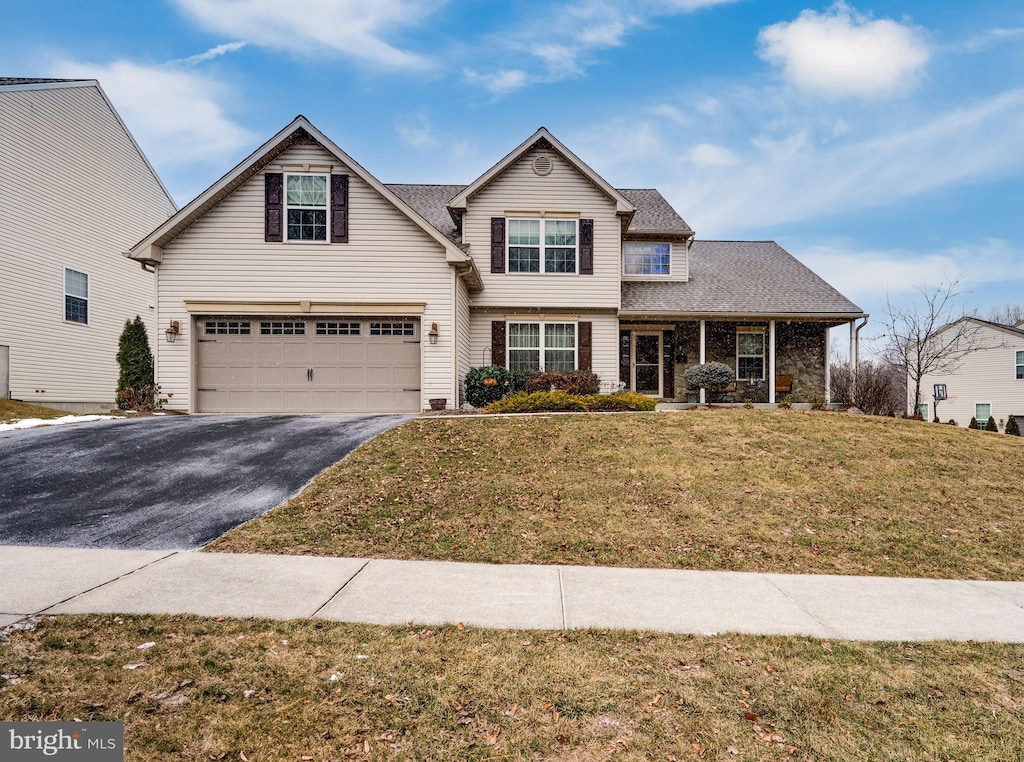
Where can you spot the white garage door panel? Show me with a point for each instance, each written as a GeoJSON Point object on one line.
{"type": "Point", "coordinates": [307, 372]}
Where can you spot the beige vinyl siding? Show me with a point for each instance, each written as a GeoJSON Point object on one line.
{"type": "Point", "coordinates": [680, 263]}
{"type": "Point", "coordinates": [76, 193]}
{"type": "Point", "coordinates": [605, 339]}
{"type": "Point", "coordinates": [388, 260]}
{"type": "Point", "coordinates": [466, 359]}
{"type": "Point", "coordinates": [985, 376]}
{"type": "Point", "coordinates": [518, 189]}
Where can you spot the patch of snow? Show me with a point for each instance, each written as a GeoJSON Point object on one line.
{"type": "Point", "coordinates": [31, 423]}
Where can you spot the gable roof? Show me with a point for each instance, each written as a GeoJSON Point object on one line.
{"type": "Point", "coordinates": [149, 249]}
{"type": "Point", "coordinates": [740, 278]}
{"type": "Point", "coordinates": [542, 136]}
{"type": "Point", "coordinates": [653, 213]}
{"type": "Point", "coordinates": [1017, 330]}
{"type": "Point", "coordinates": [24, 81]}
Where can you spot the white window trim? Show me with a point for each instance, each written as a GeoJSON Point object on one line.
{"type": "Point", "coordinates": [652, 276]}
{"type": "Point", "coordinates": [541, 220]}
{"type": "Point", "coordinates": [327, 209]}
{"type": "Point", "coordinates": [540, 357]}
{"type": "Point", "coordinates": [764, 349]}
{"type": "Point", "coordinates": [1017, 364]}
{"type": "Point", "coordinates": [88, 299]}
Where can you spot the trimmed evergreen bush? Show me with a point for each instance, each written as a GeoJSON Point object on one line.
{"type": "Point", "coordinates": [559, 401]}
{"type": "Point", "coordinates": [990, 424]}
{"type": "Point", "coordinates": [713, 376]}
{"type": "Point", "coordinates": [973, 424]}
{"type": "Point", "coordinates": [574, 382]}
{"type": "Point", "coordinates": [136, 386]}
{"type": "Point", "coordinates": [1012, 427]}
{"type": "Point", "coordinates": [951, 422]}
{"type": "Point", "coordinates": [488, 384]}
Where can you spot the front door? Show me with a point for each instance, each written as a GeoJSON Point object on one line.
{"type": "Point", "coordinates": [647, 363]}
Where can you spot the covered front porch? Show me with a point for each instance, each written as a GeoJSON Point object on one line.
{"type": "Point", "coordinates": [771, 358]}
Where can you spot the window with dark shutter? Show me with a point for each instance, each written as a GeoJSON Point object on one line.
{"type": "Point", "coordinates": [497, 245]}
{"type": "Point", "coordinates": [585, 344]}
{"type": "Point", "coordinates": [498, 342]}
{"type": "Point", "coordinates": [273, 227]}
{"type": "Point", "coordinates": [339, 208]}
{"type": "Point", "coordinates": [586, 247]}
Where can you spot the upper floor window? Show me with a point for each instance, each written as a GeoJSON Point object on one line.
{"type": "Point", "coordinates": [531, 251]}
{"type": "Point", "coordinates": [306, 207]}
{"type": "Point", "coordinates": [750, 353]}
{"type": "Point", "coordinates": [76, 296]}
{"type": "Point", "coordinates": [642, 258]}
{"type": "Point", "coordinates": [1020, 364]}
{"type": "Point", "coordinates": [542, 346]}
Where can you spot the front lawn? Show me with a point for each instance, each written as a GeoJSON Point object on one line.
{"type": "Point", "coordinates": [12, 410]}
{"type": "Point", "coordinates": [785, 491]}
{"type": "Point", "coordinates": [199, 689]}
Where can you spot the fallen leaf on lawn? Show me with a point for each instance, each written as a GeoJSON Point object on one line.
{"type": "Point", "coordinates": [242, 756]}
{"type": "Point", "coordinates": [768, 668]}
{"type": "Point", "coordinates": [493, 738]}
{"type": "Point", "coordinates": [134, 666]}
{"type": "Point", "coordinates": [511, 711]}
{"type": "Point", "coordinates": [366, 747]}
{"type": "Point", "coordinates": [555, 715]}
{"type": "Point", "coordinates": [699, 749]}
{"type": "Point", "coordinates": [750, 717]}
{"type": "Point", "coordinates": [144, 646]}
{"type": "Point", "coordinates": [733, 750]}
{"type": "Point", "coordinates": [461, 626]}
{"type": "Point", "coordinates": [826, 645]}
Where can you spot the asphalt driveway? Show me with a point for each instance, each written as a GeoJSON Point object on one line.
{"type": "Point", "coordinates": [173, 482]}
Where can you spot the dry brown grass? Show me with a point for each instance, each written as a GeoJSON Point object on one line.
{"type": "Point", "coordinates": [261, 690]}
{"type": "Point", "coordinates": [710, 489]}
{"type": "Point", "coordinates": [12, 410]}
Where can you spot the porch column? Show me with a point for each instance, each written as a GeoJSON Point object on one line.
{"type": "Point", "coordinates": [703, 355]}
{"type": "Point", "coordinates": [828, 370]}
{"type": "Point", "coordinates": [771, 368]}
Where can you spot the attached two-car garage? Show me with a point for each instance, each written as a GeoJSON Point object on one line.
{"type": "Point", "coordinates": [289, 364]}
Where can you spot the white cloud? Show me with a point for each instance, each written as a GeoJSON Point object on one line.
{"type": "Point", "coordinates": [214, 52]}
{"type": "Point", "coordinates": [176, 114]}
{"type": "Point", "coordinates": [349, 27]}
{"type": "Point", "coordinates": [585, 28]}
{"type": "Point", "coordinates": [842, 53]}
{"type": "Point", "coordinates": [417, 132]}
{"type": "Point", "coordinates": [710, 155]}
{"type": "Point", "coordinates": [985, 41]}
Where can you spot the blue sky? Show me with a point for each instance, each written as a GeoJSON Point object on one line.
{"type": "Point", "coordinates": [880, 142]}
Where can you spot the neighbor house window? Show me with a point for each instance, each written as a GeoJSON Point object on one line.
{"type": "Point", "coordinates": [982, 411]}
{"type": "Point", "coordinates": [643, 258]}
{"type": "Point", "coordinates": [76, 296]}
{"type": "Point", "coordinates": [306, 207]}
{"type": "Point", "coordinates": [922, 410]}
{"type": "Point", "coordinates": [1020, 365]}
{"type": "Point", "coordinates": [750, 353]}
{"type": "Point", "coordinates": [548, 246]}
{"type": "Point", "coordinates": [542, 346]}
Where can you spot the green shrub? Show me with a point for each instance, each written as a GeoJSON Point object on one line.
{"type": "Point", "coordinates": [488, 384]}
{"type": "Point", "coordinates": [817, 401]}
{"type": "Point", "coordinates": [936, 420]}
{"type": "Point", "coordinates": [952, 422]}
{"type": "Point", "coordinates": [973, 424]}
{"type": "Point", "coordinates": [574, 382]}
{"type": "Point", "coordinates": [559, 401]}
{"type": "Point", "coordinates": [748, 403]}
{"type": "Point", "coordinates": [785, 403]}
{"type": "Point", "coordinates": [713, 376]}
{"type": "Point", "coordinates": [1012, 427]}
{"type": "Point", "coordinates": [990, 424]}
{"type": "Point", "coordinates": [136, 386]}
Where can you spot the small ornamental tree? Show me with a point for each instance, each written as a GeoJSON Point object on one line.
{"type": "Point", "coordinates": [990, 424]}
{"type": "Point", "coordinates": [136, 387]}
{"type": "Point", "coordinates": [1012, 427]}
{"type": "Point", "coordinates": [713, 376]}
{"type": "Point", "coordinates": [973, 424]}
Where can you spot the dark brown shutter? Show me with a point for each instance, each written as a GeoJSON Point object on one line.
{"type": "Point", "coordinates": [497, 244]}
{"type": "Point", "coordinates": [339, 208]}
{"type": "Point", "coordinates": [585, 345]}
{"type": "Point", "coordinates": [274, 186]}
{"type": "Point", "coordinates": [669, 362]}
{"type": "Point", "coordinates": [498, 342]}
{"type": "Point", "coordinates": [586, 247]}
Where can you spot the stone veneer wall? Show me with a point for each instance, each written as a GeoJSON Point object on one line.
{"type": "Point", "coordinates": [801, 349]}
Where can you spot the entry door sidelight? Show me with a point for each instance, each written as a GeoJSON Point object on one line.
{"type": "Point", "coordinates": [647, 363]}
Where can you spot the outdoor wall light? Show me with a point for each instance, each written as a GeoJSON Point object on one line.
{"type": "Point", "coordinates": [172, 331]}
{"type": "Point", "coordinates": [433, 333]}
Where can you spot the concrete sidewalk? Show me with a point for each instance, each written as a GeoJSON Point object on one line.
{"type": "Point", "coordinates": [76, 581]}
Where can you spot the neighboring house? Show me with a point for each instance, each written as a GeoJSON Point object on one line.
{"type": "Point", "coordinates": [989, 381]}
{"type": "Point", "coordinates": [300, 282]}
{"type": "Point", "coordinates": [75, 192]}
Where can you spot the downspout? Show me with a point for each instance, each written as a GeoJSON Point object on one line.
{"type": "Point", "coordinates": [855, 358]}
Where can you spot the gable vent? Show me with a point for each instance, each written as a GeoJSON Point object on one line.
{"type": "Point", "coordinates": [542, 165]}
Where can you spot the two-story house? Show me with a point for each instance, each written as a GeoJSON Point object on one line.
{"type": "Point", "coordinates": [299, 282]}
{"type": "Point", "coordinates": [75, 192]}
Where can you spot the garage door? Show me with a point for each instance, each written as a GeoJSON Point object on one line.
{"type": "Point", "coordinates": [303, 365]}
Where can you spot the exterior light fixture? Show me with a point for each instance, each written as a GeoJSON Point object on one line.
{"type": "Point", "coordinates": [172, 331]}
{"type": "Point", "coordinates": [433, 333]}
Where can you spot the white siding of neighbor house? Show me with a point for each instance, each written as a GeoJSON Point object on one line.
{"type": "Point", "coordinates": [680, 264]}
{"type": "Point", "coordinates": [987, 375]}
{"type": "Point", "coordinates": [519, 189]}
{"type": "Point", "coordinates": [605, 339]}
{"type": "Point", "coordinates": [74, 193]}
{"type": "Point", "coordinates": [388, 259]}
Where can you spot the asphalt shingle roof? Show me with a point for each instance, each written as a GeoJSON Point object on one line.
{"type": "Point", "coordinates": [739, 277]}
{"type": "Point", "coordinates": [33, 81]}
{"type": "Point", "coordinates": [653, 213]}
